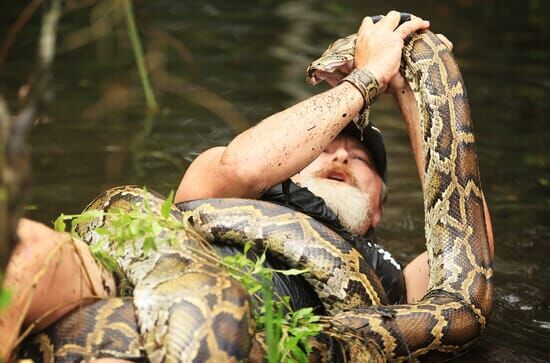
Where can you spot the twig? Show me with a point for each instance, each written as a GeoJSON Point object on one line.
{"type": "Point", "coordinates": [5, 247]}
{"type": "Point", "coordinates": [169, 82]}
{"type": "Point", "coordinates": [16, 168]}
{"type": "Point", "coordinates": [138, 54]}
{"type": "Point", "coordinates": [103, 17]}
{"type": "Point", "coordinates": [211, 101]}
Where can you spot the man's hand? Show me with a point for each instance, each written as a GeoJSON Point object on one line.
{"type": "Point", "coordinates": [379, 45]}
{"type": "Point", "coordinates": [398, 82]}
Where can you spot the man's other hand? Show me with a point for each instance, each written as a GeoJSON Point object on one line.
{"type": "Point", "coordinates": [379, 45]}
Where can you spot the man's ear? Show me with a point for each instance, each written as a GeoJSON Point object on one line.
{"type": "Point", "coordinates": [377, 215]}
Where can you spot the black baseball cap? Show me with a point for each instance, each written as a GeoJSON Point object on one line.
{"type": "Point", "coordinates": [373, 140]}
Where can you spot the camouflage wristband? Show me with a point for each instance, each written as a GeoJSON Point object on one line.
{"type": "Point", "coordinates": [365, 82]}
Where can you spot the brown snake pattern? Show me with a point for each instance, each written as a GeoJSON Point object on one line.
{"type": "Point", "coordinates": [451, 316]}
{"type": "Point", "coordinates": [106, 328]}
{"type": "Point", "coordinates": [454, 312]}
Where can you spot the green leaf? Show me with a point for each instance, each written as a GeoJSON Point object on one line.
{"type": "Point", "coordinates": [59, 223]}
{"type": "Point", "coordinates": [292, 271]}
{"type": "Point", "coordinates": [102, 231]}
{"type": "Point", "coordinates": [156, 228]}
{"type": "Point", "coordinates": [301, 313]}
{"type": "Point", "coordinates": [261, 259]}
{"type": "Point", "coordinates": [134, 227]}
{"type": "Point", "coordinates": [106, 260]}
{"type": "Point", "coordinates": [5, 295]}
{"type": "Point", "coordinates": [149, 244]}
{"type": "Point", "coordinates": [88, 215]}
{"type": "Point", "coordinates": [5, 298]}
{"type": "Point", "coordinates": [254, 289]}
{"type": "Point", "coordinates": [167, 205]}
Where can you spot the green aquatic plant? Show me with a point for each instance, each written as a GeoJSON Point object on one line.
{"type": "Point", "coordinates": [286, 331]}
{"type": "Point", "coordinates": [138, 55]}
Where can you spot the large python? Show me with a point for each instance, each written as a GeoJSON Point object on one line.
{"type": "Point", "coordinates": [454, 312]}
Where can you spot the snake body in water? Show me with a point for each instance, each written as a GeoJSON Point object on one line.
{"type": "Point", "coordinates": [189, 309]}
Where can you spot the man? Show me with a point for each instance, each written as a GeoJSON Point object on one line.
{"type": "Point", "coordinates": [313, 144]}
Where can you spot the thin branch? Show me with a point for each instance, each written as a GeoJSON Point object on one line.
{"type": "Point", "coordinates": [138, 54]}
{"type": "Point", "coordinates": [5, 249]}
{"type": "Point", "coordinates": [169, 82]}
{"type": "Point", "coordinates": [15, 173]}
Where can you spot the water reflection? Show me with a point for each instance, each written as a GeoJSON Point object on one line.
{"type": "Point", "coordinates": [253, 55]}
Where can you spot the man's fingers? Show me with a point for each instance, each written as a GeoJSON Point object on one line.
{"type": "Point", "coordinates": [367, 23]}
{"type": "Point", "coordinates": [445, 41]}
{"type": "Point", "coordinates": [411, 26]}
{"type": "Point", "coordinates": [391, 20]}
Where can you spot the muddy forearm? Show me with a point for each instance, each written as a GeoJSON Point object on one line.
{"type": "Point", "coordinates": [283, 144]}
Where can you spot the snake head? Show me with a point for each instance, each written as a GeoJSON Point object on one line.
{"type": "Point", "coordinates": [335, 63]}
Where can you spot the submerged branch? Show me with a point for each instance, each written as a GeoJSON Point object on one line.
{"type": "Point", "coordinates": [171, 83]}
{"type": "Point", "coordinates": [15, 172]}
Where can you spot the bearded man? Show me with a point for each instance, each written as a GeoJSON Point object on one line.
{"type": "Point", "coordinates": [332, 171]}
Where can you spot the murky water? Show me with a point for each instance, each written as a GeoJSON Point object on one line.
{"type": "Point", "coordinates": [252, 54]}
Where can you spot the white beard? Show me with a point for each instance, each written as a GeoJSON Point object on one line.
{"type": "Point", "coordinates": [351, 205]}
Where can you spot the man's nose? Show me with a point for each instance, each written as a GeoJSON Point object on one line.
{"type": "Point", "coordinates": [340, 155]}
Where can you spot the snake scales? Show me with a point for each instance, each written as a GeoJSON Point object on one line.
{"type": "Point", "coordinates": [181, 326]}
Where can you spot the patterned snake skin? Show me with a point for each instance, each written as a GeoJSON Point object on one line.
{"type": "Point", "coordinates": [454, 312]}
{"type": "Point", "coordinates": [189, 309]}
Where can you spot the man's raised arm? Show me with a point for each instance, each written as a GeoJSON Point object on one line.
{"type": "Point", "coordinates": [283, 144]}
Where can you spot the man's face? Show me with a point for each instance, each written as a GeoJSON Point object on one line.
{"type": "Point", "coordinates": [346, 165]}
